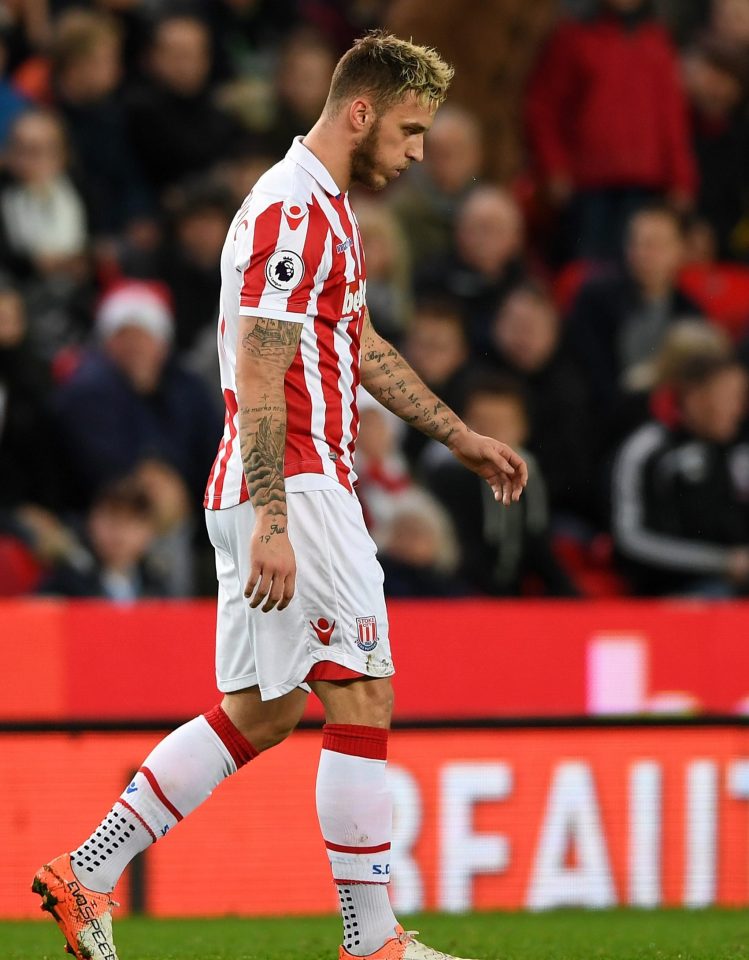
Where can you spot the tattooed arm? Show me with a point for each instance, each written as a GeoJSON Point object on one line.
{"type": "Point", "coordinates": [392, 381]}
{"type": "Point", "coordinates": [265, 351]}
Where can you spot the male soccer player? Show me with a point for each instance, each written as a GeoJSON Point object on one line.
{"type": "Point", "coordinates": [300, 602]}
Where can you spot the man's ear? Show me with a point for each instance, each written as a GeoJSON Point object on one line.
{"type": "Point", "coordinates": [361, 116]}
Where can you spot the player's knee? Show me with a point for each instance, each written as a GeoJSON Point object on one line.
{"type": "Point", "coordinates": [264, 724]}
{"type": "Point", "coordinates": [380, 704]}
{"type": "Point", "coordinates": [367, 702]}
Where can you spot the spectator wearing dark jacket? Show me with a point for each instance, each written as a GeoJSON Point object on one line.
{"type": "Point", "coordinates": [619, 319]}
{"type": "Point", "coordinates": [527, 346]}
{"type": "Point", "coordinates": [131, 400]}
{"type": "Point", "coordinates": [486, 261]}
{"type": "Point", "coordinates": [111, 562]}
{"type": "Point", "coordinates": [86, 76]}
{"type": "Point", "coordinates": [503, 548]}
{"type": "Point", "coordinates": [607, 121]}
{"type": "Point", "coordinates": [680, 494]}
{"type": "Point", "coordinates": [715, 76]}
{"type": "Point", "coordinates": [175, 125]}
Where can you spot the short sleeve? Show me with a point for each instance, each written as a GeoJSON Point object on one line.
{"type": "Point", "coordinates": [283, 251]}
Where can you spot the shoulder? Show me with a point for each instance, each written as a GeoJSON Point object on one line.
{"type": "Point", "coordinates": [644, 445]}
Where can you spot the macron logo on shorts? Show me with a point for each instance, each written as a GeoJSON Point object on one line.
{"type": "Point", "coordinates": [324, 630]}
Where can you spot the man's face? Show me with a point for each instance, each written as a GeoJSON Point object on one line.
{"type": "Point", "coordinates": [526, 331]}
{"type": "Point", "coordinates": [140, 356]}
{"type": "Point", "coordinates": [655, 249]}
{"type": "Point", "coordinates": [436, 347]}
{"type": "Point", "coordinates": [714, 410]}
{"type": "Point", "coordinates": [395, 139]}
{"type": "Point", "coordinates": [181, 57]}
{"type": "Point", "coordinates": [500, 417]}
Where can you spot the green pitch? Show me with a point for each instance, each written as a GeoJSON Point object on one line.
{"type": "Point", "coordinates": [568, 935]}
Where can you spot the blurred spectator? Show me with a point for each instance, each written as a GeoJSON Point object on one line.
{"type": "Point", "coordinates": [418, 551]}
{"type": "Point", "coordinates": [86, 75]}
{"type": "Point", "coordinates": [43, 219]}
{"type": "Point", "coordinates": [388, 268]}
{"type": "Point", "coordinates": [30, 468]}
{"type": "Point", "coordinates": [171, 556]}
{"type": "Point", "coordinates": [715, 77]}
{"type": "Point", "coordinates": [246, 34]}
{"type": "Point", "coordinates": [526, 338]}
{"type": "Point", "coordinates": [493, 44]}
{"type": "Point", "coordinates": [730, 21]}
{"type": "Point", "coordinates": [436, 346]}
{"type": "Point", "coordinates": [486, 262]}
{"type": "Point", "coordinates": [111, 563]}
{"type": "Point", "coordinates": [43, 232]}
{"type": "Point", "coordinates": [381, 468]}
{"type": "Point", "coordinates": [618, 320]}
{"type": "Point", "coordinates": [503, 548]}
{"type": "Point", "coordinates": [617, 75]}
{"type": "Point", "coordinates": [428, 199]}
{"type": "Point", "coordinates": [131, 399]}
{"type": "Point", "coordinates": [175, 125]}
{"type": "Point", "coordinates": [305, 66]}
{"type": "Point", "coordinates": [189, 259]}
{"type": "Point", "coordinates": [26, 28]}
{"type": "Point", "coordinates": [680, 493]}
{"type": "Point", "coordinates": [244, 163]}
{"type": "Point", "coordinates": [12, 102]}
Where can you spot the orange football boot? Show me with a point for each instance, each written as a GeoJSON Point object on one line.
{"type": "Point", "coordinates": [85, 917]}
{"type": "Point", "coordinates": [401, 947]}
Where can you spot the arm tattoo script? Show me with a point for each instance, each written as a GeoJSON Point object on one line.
{"type": "Point", "coordinates": [267, 350]}
{"type": "Point", "coordinates": [391, 380]}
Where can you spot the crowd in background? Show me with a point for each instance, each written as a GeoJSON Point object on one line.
{"type": "Point", "coordinates": [568, 269]}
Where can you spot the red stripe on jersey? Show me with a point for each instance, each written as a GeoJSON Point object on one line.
{"type": "Point", "coordinates": [214, 467]}
{"type": "Point", "coordinates": [160, 793]}
{"type": "Point", "coordinates": [230, 398]}
{"type": "Point", "coordinates": [314, 245]}
{"type": "Point", "coordinates": [329, 366]}
{"type": "Point", "coordinates": [264, 242]}
{"type": "Point", "coordinates": [354, 330]}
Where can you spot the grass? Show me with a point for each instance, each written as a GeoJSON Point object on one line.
{"type": "Point", "coordinates": [563, 935]}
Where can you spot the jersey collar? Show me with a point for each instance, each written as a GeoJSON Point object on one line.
{"type": "Point", "coordinates": [309, 162]}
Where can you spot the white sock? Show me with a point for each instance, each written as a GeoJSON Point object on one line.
{"type": "Point", "coordinates": [355, 811]}
{"type": "Point", "coordinates": [98, 863]}
{"type": "Point", "coordinates": [368, 919]}
{"type": "Point", "coordinates": [177, 776]}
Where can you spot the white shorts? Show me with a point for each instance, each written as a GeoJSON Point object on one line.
{"type": "Point", "coordinates": [337, 612]}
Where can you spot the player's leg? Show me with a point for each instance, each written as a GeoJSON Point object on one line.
{"type": "Point", "coordinates": [354, 807]}
{"type": "Point", "coordinates": [178, 775]}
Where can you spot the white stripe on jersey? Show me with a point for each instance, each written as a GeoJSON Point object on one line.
{"type": "Point", "coordinates": [311, 356]}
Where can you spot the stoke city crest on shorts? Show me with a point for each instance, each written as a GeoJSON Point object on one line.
{"type": "Point", "coordinates": [366, 628]}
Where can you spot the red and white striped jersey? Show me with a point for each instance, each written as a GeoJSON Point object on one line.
{"type": "Point", "coordinates": [293, 252]}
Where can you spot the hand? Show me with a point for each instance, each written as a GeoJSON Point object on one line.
{"type": "Point", "coordinates": [738, 565]}
{"type": "Point", "coordinates": [272, 565]}
{"type": "Point", "coordinates": [504, 471]}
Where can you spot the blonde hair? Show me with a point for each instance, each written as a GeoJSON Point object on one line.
{"type": "Point", "coordinates": [387, 68]}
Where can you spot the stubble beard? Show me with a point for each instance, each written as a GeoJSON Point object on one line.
{"type": "Point", "coordinates": [364, 161]}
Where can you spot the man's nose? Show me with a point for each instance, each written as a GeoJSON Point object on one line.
{"type": "Point", "coordinates": [415, 151]}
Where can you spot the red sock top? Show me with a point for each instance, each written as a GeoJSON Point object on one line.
{"type": "Point", "coordinates": [239, 747]}
{"type": "Point", "coordinates": [356, 740]}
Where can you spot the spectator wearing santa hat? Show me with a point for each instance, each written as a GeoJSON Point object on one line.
{"type": "Point", "coordinates": [130, 400]}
